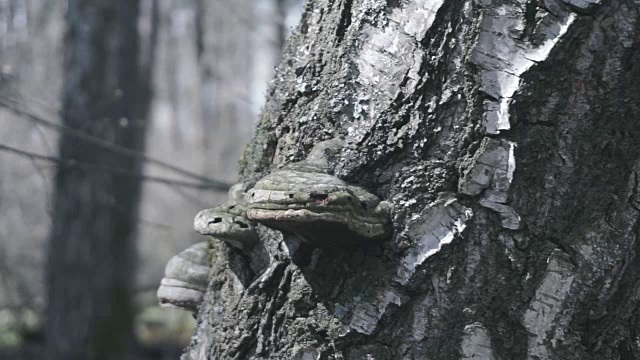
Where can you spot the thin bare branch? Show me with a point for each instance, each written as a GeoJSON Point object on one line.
{"type": "Point", "coordinates": [72, 163]}
{"type": "Point", "coordinates": [18, 110]}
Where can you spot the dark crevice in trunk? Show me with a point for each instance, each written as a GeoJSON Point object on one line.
{"type": "Point", "coordinates": [345, 20]}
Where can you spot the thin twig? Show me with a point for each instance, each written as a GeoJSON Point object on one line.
{"type": "Point", "coordinates": [71, 163]}
{"type": "Point", "coordinates": [188, 197]}
{"type": "Point", "coordinates": [152, 224]}
{"type": "Point", "coordinates": [117, 149]}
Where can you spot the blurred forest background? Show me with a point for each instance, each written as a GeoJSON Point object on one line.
{"type": "Point", "coordinates": [208, 64]}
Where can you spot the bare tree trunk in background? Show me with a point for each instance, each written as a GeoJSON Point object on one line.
{"type": "Point", "coordinates": [281, 22]}
{"type": "Point", "coordinates": [225, 53]}
{"type": "Point", "coordinates": [506, 135]}
{"type": "Point", "coordinates": [30, 58]}
{"type": "Point", "coordinates": [91, 262]}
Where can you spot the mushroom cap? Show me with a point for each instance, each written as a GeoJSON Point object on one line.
{"type": "Point", "coordinates": [221, 222]}
{"type": "Point", "coordinates": [179, 297]}
{"type": "Point", "coordinates": [236, 193]}
{"type": "Point", "coordinates": [294, 195]}
{"type": "Point", "coordinates": [185, 279]}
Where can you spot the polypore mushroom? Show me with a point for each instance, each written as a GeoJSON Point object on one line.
{"type": "Point", "coordinates": [303, 199]}
{"type": "Point", "coordinates": [185, 279]}
{"type": "Point", "coordinates": [228, 222]}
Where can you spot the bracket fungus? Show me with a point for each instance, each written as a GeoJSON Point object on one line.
{"type": "Point", "coordinates": [305, 200]}
{"type": "Point", "coordinates": [229, 222]}
{"type": "Point", "coordinates": [185, 279]}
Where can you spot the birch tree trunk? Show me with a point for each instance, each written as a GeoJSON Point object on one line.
{"type": "Point", "coordinates": [506, 135]}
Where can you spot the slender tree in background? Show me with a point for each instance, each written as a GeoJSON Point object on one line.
{"type": "Point", "coordinates": [91, 261]}
{"type": "Point", "coordinates": [225, 50]}
{"type": "Point", "coordinates": [506, 135]}
{"type": "Point", "coordinates": [280, 7]}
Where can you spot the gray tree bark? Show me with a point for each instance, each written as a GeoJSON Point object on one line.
{"type": "Point", "coordinates": [91, 260]}
{"type": "Point", "coordinates": [506, 135]}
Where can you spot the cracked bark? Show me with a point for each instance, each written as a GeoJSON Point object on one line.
{"type": "Point", "coordinates": [416, 87]}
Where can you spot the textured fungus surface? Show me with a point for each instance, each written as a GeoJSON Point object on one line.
{"type": "Point", "coordinates": [185, 279]}
{"type": "Point", "coordinates": [303, 199]}
{"type": "Point", "coordinates": [229, 222]}
{"type": "Point", "coordinates": [504, 133]}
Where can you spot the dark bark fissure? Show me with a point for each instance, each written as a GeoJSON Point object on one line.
{"type": "Point", "coordinates": [345, 20]}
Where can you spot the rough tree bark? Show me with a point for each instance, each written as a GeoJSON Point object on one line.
{"type": "Point", "coordinates": [91, 260]}
{"type": "Point", "coordinates": [505, 133]}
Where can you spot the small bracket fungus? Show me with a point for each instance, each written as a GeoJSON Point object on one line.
{"type": "Point", "coordinates": [303, 199]}
{"type": "Point", "coordinates": [229, 222]}
{"type": "Point", "coordinates": [185, 279]}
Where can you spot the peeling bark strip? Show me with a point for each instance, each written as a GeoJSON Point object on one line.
{"type": "Point", "coordinates": [434, 227]}
{"type": "Point", "coordinates": [490, 175]}
{"type": "Point", "coordinates": [476, 343]}
{"type": "Point", "coordinates": [547, 303]}
{"type": "Point", "coordinates": [503, 57]}
{"type": "Point", "coordinates": [503, 129]}
{"type": "Point", "coordinates": [389, 53]}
